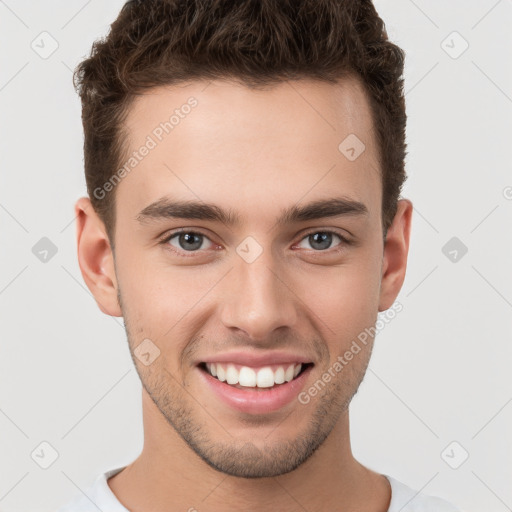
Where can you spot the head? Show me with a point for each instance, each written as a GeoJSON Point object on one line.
{"type": "Point", "coordinates": [244, 164]}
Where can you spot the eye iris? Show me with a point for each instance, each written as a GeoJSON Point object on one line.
{"type": "Point", "coordinates": [323, 238]}
{"type": "Point", "coordinates": [192, 241]}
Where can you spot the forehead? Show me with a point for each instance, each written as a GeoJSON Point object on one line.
{"type": "Point", "coordinates": [221, 141]}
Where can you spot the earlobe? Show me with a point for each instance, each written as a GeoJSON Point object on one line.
{"type": "Point", "coordinates": [396, 250]}
{"type": "Point", "coordinates": [95, 257]}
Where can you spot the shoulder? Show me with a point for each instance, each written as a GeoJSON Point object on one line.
{"type": "Point", "coordinates": [96, 497]}
{"type": "Point", "coordinates": [405, 499]}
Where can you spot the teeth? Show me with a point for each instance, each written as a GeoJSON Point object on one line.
{"type": "Point", "coordinates": [279, 375]}
{"type": "Point", "coordinates": [288, 374]}
{"type": "Point", "coordinates": [247, 377]}
{"type": "Point", "coordinates": [265, 377]}
{"type": "Point", "coordinates": [231, 375]}
{"type": "Point", "coordinates": [221, 373]}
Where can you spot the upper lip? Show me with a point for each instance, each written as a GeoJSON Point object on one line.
{"type": "Point", "coordinates": [252, 359]}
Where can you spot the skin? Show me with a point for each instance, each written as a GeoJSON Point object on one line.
{"type": "Point", "coordinates": [255, 152]}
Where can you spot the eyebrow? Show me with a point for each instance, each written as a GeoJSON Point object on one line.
{"type": "Point", "coordinates": [166, 208]}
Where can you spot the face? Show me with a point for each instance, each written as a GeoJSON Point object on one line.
{"type": "Point", "coordinates": [248, 258]}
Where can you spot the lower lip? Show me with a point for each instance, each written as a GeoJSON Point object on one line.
{"type": "Point", "coordinates": [256, 400]}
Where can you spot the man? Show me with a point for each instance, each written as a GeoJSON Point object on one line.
{"type": "Point", "coordinates": [244, 162]}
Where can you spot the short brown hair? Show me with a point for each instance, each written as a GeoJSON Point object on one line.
{"type": "Point", "coordinates": [256, 42]}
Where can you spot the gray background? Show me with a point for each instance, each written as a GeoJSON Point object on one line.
{"type": "Point", "coordinates": [440, 372]}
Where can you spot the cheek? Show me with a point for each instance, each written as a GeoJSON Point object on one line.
{"type": "Point", "coordinates": [163, 303]}
{"type": "Point", "coordinates": [158, 289]}
{"type": "Point", "coordinates": [344, 299]}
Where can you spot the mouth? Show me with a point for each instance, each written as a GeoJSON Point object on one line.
{"type": "Point", "coordinates": [254, 378]}
{"type": "Point", "coordinates": [255, 389]}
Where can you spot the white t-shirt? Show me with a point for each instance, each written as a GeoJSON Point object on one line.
{"type": "Point", "coordinates": [99, 496]}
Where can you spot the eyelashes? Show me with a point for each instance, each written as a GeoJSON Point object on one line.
{"type": "Point", "coordinates": [307, 236]}
{"type": "Point", "coordinates": [194, 239]}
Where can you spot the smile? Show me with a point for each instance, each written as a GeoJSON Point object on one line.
{"type": "Point", "coordinates": [253, 377]}
{"type": "Point", "coordinates": [255, 385]}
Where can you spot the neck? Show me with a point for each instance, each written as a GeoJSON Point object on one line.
{"type": "Point", "coordinates": [168, 475]}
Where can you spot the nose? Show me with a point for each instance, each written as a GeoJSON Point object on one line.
{"type": "Point", "coordinates": [258, 300]}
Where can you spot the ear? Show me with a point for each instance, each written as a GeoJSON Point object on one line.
{"type": "Point", "coordinates": [396, 249]}
{"type": "Point", "coordinates": [95, 257]}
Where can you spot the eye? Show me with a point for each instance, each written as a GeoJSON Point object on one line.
{"type": "Point", "coordinates": [189, 241]}
{"type": "Point", "coordinates": [321, 240]}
